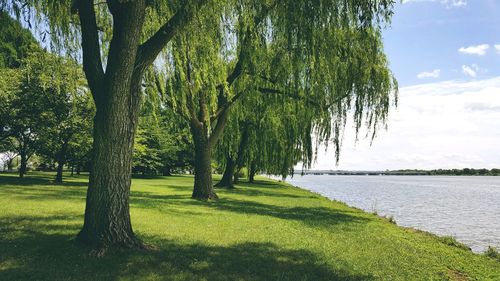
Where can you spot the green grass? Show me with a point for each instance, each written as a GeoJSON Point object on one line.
{"type": "Point", "coordinates": [264, 231]}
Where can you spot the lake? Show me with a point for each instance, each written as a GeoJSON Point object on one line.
{"type": "Point", "coordinates": [467, 208]}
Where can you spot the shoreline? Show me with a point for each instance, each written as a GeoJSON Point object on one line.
{"type": "Point", "coordinates": [392, 219]}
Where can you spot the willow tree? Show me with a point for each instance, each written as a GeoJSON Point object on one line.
{"type": "Point", "coordinates": [268, 132]}
{"type": "Point", "coordinates": [329, 52]}
{"type": "Point", "coordinates": [118, 41]}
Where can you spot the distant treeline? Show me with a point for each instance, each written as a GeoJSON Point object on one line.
{"type": "Point", "coordinates": [454, 172]}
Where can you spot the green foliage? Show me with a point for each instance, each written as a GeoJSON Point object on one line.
{"type": "Point", "coordinates": [451, 241]}
{"type": "Point", "coordinates": [263, 231]}
{"type": "Point", "coordinates": [15, 42]}
{"type": "Point", "coordinates": [163, 144]}
{"type": "Point", "coordinates": [48, 109]}
{"type": "Point", "coordinates": [326, 54]}
{"type": "Point", "coordinates": [492, 253]}
{"type": "Point", "coordinates": [301, 67]}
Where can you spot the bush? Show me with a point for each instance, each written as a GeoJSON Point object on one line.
{"type": "Point", "coordinates": [492, 253]}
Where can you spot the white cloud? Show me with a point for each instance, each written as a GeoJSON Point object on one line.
{"type": "Point", "coordinates": [497, 47]}
{"type": "Point", "coordinates": [429, 74]}
{"type": "Point", "coordinates": [449, 124]}
{"type": "Point", "coordinates": [458, 3]}
{"type": "Point", "coordinates": [479, 50]}
{"type": "Point", "coordinates": [470, 71]}
{"type": "Point", "coordinates": [448, 3]}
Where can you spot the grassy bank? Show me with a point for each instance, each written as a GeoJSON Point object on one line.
{"type": "Point", "coordinates": [264, 231]}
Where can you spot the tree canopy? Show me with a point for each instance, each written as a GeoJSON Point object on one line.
{"type": "Point", "coordinates": [329, 56]}
{"type": "Point", "coordinates": [321, 61]}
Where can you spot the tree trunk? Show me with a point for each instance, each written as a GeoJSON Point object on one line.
{"type": "Point", "coordinates": [107, 217]}
{"type": "Point", "coordinates": [61, 159]}
{"type": "Point", "coordinates": [203, 187]}
{"type": "Point", "coordinates": [10, 164]}
{"type": "Point", "coordinates": [78, 169]}
{"type": "Point", "coordinates": [72, 170]}
{"type": "Point", "coordinates": [240, 157]}
{"type": "Point", "coordinates": [167, 171]}
{"type": "Point", "coordinates": [236, 176]}
{"type": "Point", "coordinates": [59, 175]}
{"type": "Point", "coordinates": [251, 172]}
{"type": "Point", "coordinates": [24, 163]}
{"type": "Point", "coordinates": [227, 177]}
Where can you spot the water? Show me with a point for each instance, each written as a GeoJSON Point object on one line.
{"type": "Point", "coordinates": [467, 208]}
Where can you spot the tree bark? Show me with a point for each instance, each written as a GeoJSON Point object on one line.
{"type": "Point", "coordinates": [227, 177]}
{"type": "Point", "coordinates": [117, 97]}
{"type": "Point", "coordinates": [59, 174]}
{"type": "Point", "coordinates": [236, 176]}
{"type": "Point", "coordinates": [233, 167]}
{"type": "Point", "coordinates": [251, 172]}
{"type": "Point", "coordinates": [24, 163]}
{"type": "Point", "coordinates": [116, 92]}
{"type": "Point", "coordinates": [61, 159]}
{"type": "Point", "coordinates": [203, 187]}
{"type": "Point", "coordinates": [107, 217]}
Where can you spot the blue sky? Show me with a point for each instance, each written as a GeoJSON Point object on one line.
{"type": "Point", "coordinates": [426, 35]}
{"type": "Point", "coordinates": [446, 57]}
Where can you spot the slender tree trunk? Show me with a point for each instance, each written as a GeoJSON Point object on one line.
{"type": "Point", "coordinates": [10, 164]}
{"type": "Point", "coordinates": [203, 187]}
{"type": "Point", "coordinates": [167, 171]}
{"type": "Point", "coordinates": [61, 159]}
{"type": "Point", "coordinates": [236, 176]}
{"type": "Point", "coordinates": [78, 169]}
{"type": "Point", "coordinates": [24, 163]}
{"type": "Point", "coordinates": [59, 175]}
{"type": "Point", "coordinates": [227, 177]}
{"type": "Point", "coordinates": [240, 156]}
{"type": "Point", "coordinates": [251, 172]}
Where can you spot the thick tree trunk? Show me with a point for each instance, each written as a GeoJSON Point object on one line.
{"type": "Point", "coordinates": [24, 164]}
{"type": "Point", "coordinates": [203, 187]}
{"type": "Point", "coordinates": [107, 217]}
{"type": "Point", "coordinates": [227, 177]}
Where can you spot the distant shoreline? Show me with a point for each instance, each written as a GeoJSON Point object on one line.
{"type": "Point", "coordinates": [438, 172]}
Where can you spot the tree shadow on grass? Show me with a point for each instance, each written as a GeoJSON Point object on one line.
{"type": "Point", "coordinates": [276, 191]}
{"type": "Point", "coordinates": [37, 180]}
{"type": "Point", "coordinates": [42, 193]}
{"type": "Point", "coordinates": [42, 249]}
{"type": "Point", "coordinates": [311, 216]}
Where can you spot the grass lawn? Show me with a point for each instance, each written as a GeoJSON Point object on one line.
{"type": "Point", "coordinates": [262, 231]}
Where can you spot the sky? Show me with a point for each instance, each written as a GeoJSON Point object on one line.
{"type": "Point", "coordinates": [445, 55]}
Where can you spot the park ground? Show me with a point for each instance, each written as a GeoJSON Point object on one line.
{"type": "Point", "coordinates": [262, 231]}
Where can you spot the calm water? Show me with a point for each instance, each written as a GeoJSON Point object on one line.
{"type": "Point", "coordinates": [468, 208]}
